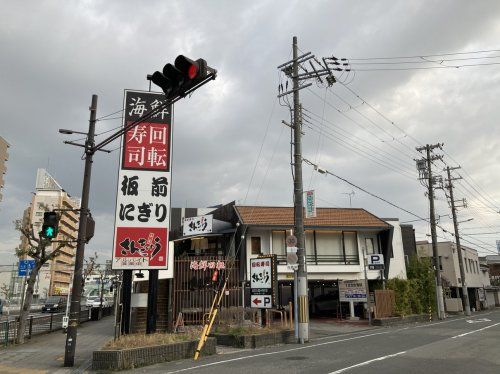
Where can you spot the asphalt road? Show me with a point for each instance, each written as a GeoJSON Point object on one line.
{"type": "Point", "coordinates": [455, 345]}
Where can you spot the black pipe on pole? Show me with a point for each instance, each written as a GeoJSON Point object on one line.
{"type": "Point", "coordinates": [76, 294]}
{"type": "Point", "coordinates": [127, 295]}
{"type": "Point", "coordinates": [152, 301]}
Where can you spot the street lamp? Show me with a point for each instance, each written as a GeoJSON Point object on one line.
{"type": "Point", "coordinates": [69, 132]}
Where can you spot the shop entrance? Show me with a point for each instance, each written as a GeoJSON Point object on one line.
{"type": "Point", "coordinates": [324, 299]}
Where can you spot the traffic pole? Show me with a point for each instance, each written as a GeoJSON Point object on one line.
{"type": "Point", "coordinates": [76, 295]}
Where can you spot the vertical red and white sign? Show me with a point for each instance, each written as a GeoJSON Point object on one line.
{"type": "Point", "coordinates": [142, 214]}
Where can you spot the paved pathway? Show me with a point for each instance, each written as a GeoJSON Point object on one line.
{"type": "Point", "coordinates": [45, 353]}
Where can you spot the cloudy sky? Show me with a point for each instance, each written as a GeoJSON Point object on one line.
{"type": "Point", "coordinates": [56, 54]}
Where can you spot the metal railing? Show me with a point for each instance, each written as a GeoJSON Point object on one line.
{"type": "Point", "coordinates": [325, 259]}
{"type": "Point", "coordinates": [41, 324]}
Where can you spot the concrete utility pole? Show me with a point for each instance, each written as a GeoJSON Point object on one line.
{"type": "Point", "coordinates": [301, 274]}
{"type": "Point", "coordinates": [465, 295]}
{"type": "Point", "coordinates": [437, 264]}
{"type": "Point", "coordinates": [76, 295]}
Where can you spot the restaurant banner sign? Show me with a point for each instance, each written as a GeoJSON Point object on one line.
{"type": "Point", "coordinates": [142, 213]}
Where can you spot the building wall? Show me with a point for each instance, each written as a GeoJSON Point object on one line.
{"type": "Point", "coordinates": [329, 271]}
{"type": "Point", "coordinates": [397, 268]}
{"type": "Point", "coordinates": [4, 156]}
{"type": "Point", "coordinates": [474, 277]}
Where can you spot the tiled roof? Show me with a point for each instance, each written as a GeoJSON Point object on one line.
{"type": "Point", "coordinates": [327, 217]}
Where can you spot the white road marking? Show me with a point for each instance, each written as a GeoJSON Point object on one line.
{"type": "Point", "coordinates": [478, 320]}
{"type": "Point", "coordinates": [472, 332]}
{"type": "Point", "coordinates": [317, 345]}
{"type": "Point", "coordinates": [277, 352]}
{"type": "Point", "coordinates": [367, 362]}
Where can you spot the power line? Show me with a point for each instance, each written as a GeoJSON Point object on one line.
{"type": "Point", "coordinates": [429, 55]}
{"type": "Point", "coordinates": [398, 207]}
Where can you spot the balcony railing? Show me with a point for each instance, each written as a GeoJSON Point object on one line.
{"type": "Point", "coordinates": [325, 259]}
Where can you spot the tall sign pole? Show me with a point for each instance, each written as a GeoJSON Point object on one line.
{"type": "Point", "coordinates": [301, 273]}
{"type": "Point", "coordinates": [143, 197]}
{"type": "Point", "coordinates": [76, 295]}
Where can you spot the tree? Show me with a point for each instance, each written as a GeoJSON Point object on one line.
{"type": "Point", "coordinates": [102, 272]}
{"type": "Point", "coordinates": [90, 264]}
{"type": "Point", "coordinates": [7, 294]}
{"type": "Point", "coordinates": [40, 250]}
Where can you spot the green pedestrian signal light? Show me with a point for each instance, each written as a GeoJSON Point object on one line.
{"type": "Point", "coordinates": [50, 223]}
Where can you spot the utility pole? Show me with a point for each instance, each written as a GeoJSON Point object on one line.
{"type": "Point", "coordinates": [76, 295]}
{"type": "Point", "coordinates": [465, 295]}
{"type": "Point", "coordinates": [437, 264]}
{"type": "Point", "coordinates": [291, 70]}
{"type": "Point", "coordinates": [301, 274]}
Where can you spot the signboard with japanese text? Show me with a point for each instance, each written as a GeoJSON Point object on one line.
{"type": "Point", "coordinates": [352, 290]}
{"type": "Point", "coordinates": [263, 281]}
{"type": "Point", "coordinates": [142, 214]}
{"type": "Point", "coordinates": [310, 204]}
{"type": "Point", "coordinates": [197, 225]}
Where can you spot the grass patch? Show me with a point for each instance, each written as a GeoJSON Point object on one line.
{"type": "Point", "coordinates": [148, 340]}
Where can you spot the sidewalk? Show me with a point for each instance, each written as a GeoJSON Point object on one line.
{"type": "Point", "coordinates": [45, 353]}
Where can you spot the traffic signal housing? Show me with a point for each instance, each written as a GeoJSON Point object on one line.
{"type": "Point", "coordinates": [50, 224]}
{"type": "Point", "coordinates": [177, 79]}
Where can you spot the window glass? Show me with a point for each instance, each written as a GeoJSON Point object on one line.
{"type": "Point", "coordinates": [279, 243]}
{"type": "Point", "coordinates": [255, 242]}
{"type": "Point", "coordinates": [329, 243]}
{"type": "Point", "coordinates": [370, 246]}
{"type": "Point", "coordinates": [350, 244]}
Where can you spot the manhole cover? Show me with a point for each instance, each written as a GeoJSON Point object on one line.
{"type": "Point", "coordinates": [296, 358]}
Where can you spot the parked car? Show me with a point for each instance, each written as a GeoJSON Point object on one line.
{"type": "Point", "coordinates": [95, 302]}
{"type": "Point", "coordinates": [55, 304]}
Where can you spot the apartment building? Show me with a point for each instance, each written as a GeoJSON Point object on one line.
{"type": "Point", "coordinates": [4, 156]}
{"type": "Point", "coordinates": [56, 275]}
{"type": "Point", "coordinates": [476, 277]}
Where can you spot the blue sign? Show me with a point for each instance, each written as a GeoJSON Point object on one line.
{"type": "Point", "coordinates": [25, 267]}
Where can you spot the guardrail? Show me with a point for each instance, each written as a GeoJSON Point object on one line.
{"type": "Point", "coordinates": [44, 324]}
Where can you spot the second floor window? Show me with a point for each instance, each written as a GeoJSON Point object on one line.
{"type": "Point", "coordinates": [255, 243]}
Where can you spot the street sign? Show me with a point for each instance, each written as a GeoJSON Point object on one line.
{"type": "Point", "coordinates": [25, 267]}
{"type": "Point", "coordinates": [352, 290]}
{"type": "Point", "coordinates": [262, 301]}
{"type": "Point", "coordinates": [142, 216]}
{"type": "Point", "coordinates": [292, 260]}
{"type": "Point", "coordinates": [291, 241]}
{"type": "Point", "coordinates": [310, 204]}
{"type": "Point", "coordinates": [65, 321]}
{"type": "Point", "coordinates": [263, 282]}
{"type": "Point", "coordinates": [376, 259]}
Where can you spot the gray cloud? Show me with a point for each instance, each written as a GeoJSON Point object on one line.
{"type": "Point", "coordinates": [57, 54]}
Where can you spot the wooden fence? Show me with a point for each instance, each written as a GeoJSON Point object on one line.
{"type": "Point", "coordinates": [384, 303]}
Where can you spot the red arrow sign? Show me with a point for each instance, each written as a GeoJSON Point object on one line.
{"type": "Point", "coordinates": [256, 301]}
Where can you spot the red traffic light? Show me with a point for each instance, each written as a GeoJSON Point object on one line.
{"type": "Point", "coordinates": [190, 68]}
{"type": "Point", "coordinates": [181, 77]}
